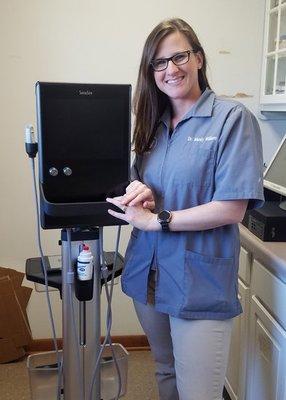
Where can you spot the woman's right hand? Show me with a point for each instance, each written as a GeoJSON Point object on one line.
{"type": "Point", "coordinates": [138, 193]}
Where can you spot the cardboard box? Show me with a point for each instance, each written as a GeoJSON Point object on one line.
{"type": "Point", "coordinates": [8, 351]}
{"type": "Point", "coordinates": [23, 293]}
{"type": "Point", "coordinates": [15, 276]}
{"type": "Point", "coordinates": [14, 327]}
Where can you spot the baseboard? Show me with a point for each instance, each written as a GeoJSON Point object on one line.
{"type": "Point", "coordinates": [130, 342]}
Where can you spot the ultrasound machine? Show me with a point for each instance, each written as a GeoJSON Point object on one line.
{"type": "Point", "coordinates": [83, 144]}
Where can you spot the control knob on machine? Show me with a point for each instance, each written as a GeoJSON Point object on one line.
{"type": "Point", "coordinates": [53, 171]}
{"type": "Point", "coordinates": [67, 171]}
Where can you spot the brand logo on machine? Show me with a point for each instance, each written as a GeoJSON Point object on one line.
{"type": "Point", "coordinates": [85, 92]}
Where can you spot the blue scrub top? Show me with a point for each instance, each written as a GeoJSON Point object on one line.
{"type": "Point", "coordinates": [214, 153]}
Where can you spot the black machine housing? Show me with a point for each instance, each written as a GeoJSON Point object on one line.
{"type": "Point", "coordinates": [268, 223]}
{"type": "Point", "coordinates": [84, 151]}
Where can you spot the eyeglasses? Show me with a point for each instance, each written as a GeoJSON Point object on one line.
{"type": "Point", "coordinates": [178, 59]}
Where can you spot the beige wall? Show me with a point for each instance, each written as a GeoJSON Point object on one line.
{"type": "Point", "coordinates": [97, 41]}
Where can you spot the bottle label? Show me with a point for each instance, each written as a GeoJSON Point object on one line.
{"type": "Point", "coordinates": [84, 270]}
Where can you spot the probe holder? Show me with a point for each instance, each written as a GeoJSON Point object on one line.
{"type": "Point", "coordinates": [83, 289]}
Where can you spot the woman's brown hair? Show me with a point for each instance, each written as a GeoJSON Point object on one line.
{"type": "Point", "coordinates": [149, 102]}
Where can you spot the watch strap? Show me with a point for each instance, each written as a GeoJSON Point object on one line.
{"type": "Point", "coordinates": [165, 226]}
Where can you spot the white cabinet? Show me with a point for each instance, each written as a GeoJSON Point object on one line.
{"type": "Point", "coordinates": [237, 366]}
{"type": "Point", "coordinates": [267, 361]}
{"type": "Point", "coordinates": [267, 340]}
{"type": "Point", "coordinates": [245, 265]}
{"type": "Point", "coordinates": [257, 360]}
{"type": "Point", "coordinates": [273, 82]}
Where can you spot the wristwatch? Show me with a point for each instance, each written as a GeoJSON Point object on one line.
{"type": "Point", "coordinates": [164, 217]}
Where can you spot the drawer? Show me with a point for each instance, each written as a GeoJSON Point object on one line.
{"type": "Point", "coordinates": [244, 265]}
{"type": "Point", "coordinates": [270, 290]}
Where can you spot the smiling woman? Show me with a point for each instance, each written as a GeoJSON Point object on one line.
{"type": "Point", "coordinates": [149, 102]}
{"type": "Point", "coordinates": [198, 166]}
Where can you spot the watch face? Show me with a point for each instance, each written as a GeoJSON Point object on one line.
{"type": "Point", "coordinates": [164, 215]}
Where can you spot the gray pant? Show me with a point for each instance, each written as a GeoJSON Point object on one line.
{"type": "Point", "coordinates": [190, 355]}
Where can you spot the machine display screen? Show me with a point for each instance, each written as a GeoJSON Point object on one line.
{"type": "Point", "coordinates": [275, 175]}
{"type": "Point", "coordinates": [85, 128]}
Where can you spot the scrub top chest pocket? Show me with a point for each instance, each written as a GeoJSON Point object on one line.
{"type": "Point", "coordinates": [191, 164]}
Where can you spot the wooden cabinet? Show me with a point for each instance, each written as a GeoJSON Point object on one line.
{"type": "Point", "coordinates": [257, 360]}
{"type": "Point", "coordinates": [273, 81]}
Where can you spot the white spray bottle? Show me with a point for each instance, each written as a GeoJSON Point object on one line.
{"type": "Point", "coordinates": [85, 264]}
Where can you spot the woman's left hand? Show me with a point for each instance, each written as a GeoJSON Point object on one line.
{"type": "Point", "coordinates": [137, 216]}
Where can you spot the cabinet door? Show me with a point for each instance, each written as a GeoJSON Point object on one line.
{"type": "Point", "coordinates": [267, 364]}
{"type": "Point", "coordinates": [273, 93]}
{"type": "Point", "coordinates": [244, 271]}
{"type": "Point", "coordinates": [270, 290]}
{"type": "Point", "coordinates": [236, 371]}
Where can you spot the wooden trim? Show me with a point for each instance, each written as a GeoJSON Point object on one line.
{"type": "Point", "coordinates": [131, 342]}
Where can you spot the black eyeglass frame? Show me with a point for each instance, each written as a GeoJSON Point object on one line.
{"type": "Point", "coordinates": [167, 59]}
